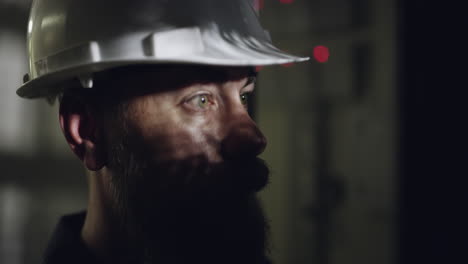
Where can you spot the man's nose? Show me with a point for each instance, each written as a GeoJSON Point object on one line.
{"type": "Point", "coordinates": [243, 140]}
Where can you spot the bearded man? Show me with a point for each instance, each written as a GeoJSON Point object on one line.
{"type": "Point", "coordinates": [154, 102]}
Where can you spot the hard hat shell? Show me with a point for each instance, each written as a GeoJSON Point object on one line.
{"type": "Point", "coordinates": [70, 38]}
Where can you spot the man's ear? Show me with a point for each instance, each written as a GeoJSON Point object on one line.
{"type": "Point", "coordinates": [81, 131]}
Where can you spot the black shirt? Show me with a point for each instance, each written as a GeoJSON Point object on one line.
{"type": "Point", "coordinates": [66, 245]}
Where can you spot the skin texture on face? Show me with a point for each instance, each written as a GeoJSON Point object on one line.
{"type": "Point", "coordinates": [181, 171]}
{"type": "Point", "coordinates": [201, 109]}
{"type": "Point", "coordinates": [188, 113]}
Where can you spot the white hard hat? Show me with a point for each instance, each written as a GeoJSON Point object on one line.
{"type": "Point", "coordinates": [75, 38]}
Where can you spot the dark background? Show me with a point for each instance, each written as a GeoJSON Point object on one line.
{"type": "Point", "coordinates": [433, 154]}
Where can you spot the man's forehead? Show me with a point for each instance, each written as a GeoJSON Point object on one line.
{"type": "Point", "coordinates": [169, 76]}
{"type": "Point", "coordinates": [174, 71]}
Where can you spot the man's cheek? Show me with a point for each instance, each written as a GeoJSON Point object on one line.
{"type": "Point", "coordinates": [175, 145]}
{"type": "Point", "coordinates": [175, 135]}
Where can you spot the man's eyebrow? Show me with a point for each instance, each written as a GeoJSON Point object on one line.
{"type": "Point", "coordinates": [251, 78]}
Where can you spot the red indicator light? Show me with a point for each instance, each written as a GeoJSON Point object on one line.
{"type": "Point", "coordinates": [258, 68]}
{"type": "Point", "coordinates": [321, 54]}
{"type": "Point", "coordinates": [286, 1]}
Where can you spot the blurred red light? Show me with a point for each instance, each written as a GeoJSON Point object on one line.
{"type": "Point", "coordinates": [321, 54]}
{"type": "Point", "coordinates": [286, 1]}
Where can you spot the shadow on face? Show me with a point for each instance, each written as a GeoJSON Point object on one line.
{"type": "Point", "coordinates": [189, 110]}
{"type": "Point", "coordinates": [139, 80]}
{"type": "Point", "coordinates": [185, 168]}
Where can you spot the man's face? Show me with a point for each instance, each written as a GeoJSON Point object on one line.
{"type": "Point", "coordinates": [185, 171]}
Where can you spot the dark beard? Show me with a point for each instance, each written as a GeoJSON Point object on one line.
{"type": "Point", "coordinates": [188, 211]}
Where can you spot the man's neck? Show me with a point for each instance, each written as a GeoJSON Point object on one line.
{"type": "Point", "coordinates": [98, 232]}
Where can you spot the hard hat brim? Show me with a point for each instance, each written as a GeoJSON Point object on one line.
{"type": "Point", "coordinates": [49, 84]}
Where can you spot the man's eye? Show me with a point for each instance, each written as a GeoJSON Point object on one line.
{"type": "Point", "coordinates": [244, 99]}
{"type": "Point", "coordinates": [200, 101]}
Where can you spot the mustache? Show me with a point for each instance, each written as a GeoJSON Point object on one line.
{"type": "Point", "coordinates": [197, 175]}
